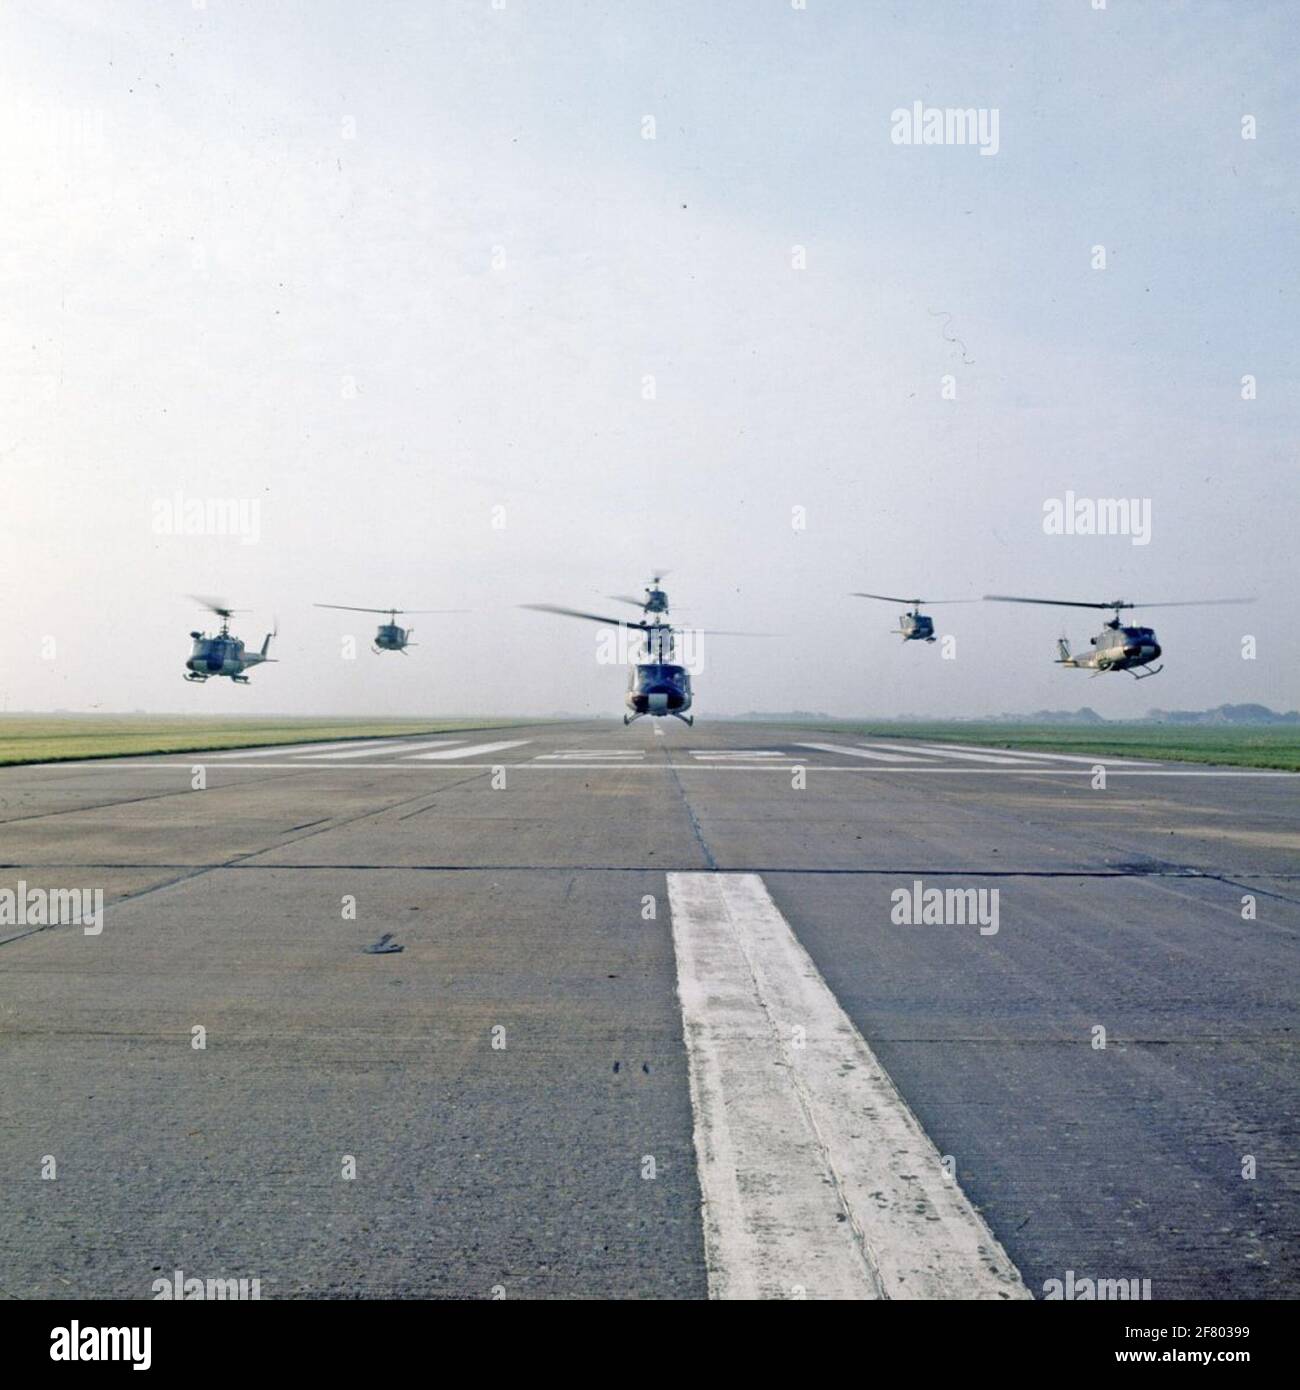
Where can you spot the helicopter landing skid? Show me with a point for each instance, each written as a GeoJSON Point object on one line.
{"type": "Point", "coordinates": [628, 718]}
{"type": "Point", "coordinates": [687, 719]}
{"type": "Point", "coordinates": [240, 680]}
{"type": "Point", "coordinates": [194, 676]}
{"type": "Point", "coordinates": [1152, 671]}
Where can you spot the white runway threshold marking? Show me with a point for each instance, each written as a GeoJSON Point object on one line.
{"type": "Point", "coordinates": [578, 755]}
{"type": "Point", "coordinates": [857, 752]}
{"type": "Point", "coordinates": [472, 752]}
{"type": "Point", "coordinates": [281, 749]}
{"type": "Point", "coordinates": [1055, 757]}
{"type": "Point", "coordinates": [737, 755]}
{"type": "Point", "coordinates": [817, 1179]}
{"type": "Point", "coordinates": [390, 749]}
{"type": "Point", "coordinates": [962, 754]}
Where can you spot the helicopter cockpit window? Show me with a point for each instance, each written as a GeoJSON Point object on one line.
{"type": "Point", "coordinates": [652, 674]}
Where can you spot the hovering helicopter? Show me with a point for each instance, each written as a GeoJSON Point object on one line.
{"type": "Point", "coordinates": [913, 626]}
{"type": "Point", "coordinates": [655, 600]}
{"type": "Point", "coordinates": [390, 637]}
{"type": "Point", "coordinates": [1118, 646]}
{"type": "Point", "coordinates": [222, 654]}
{"type": "Point", "coordinates": [657, 684]}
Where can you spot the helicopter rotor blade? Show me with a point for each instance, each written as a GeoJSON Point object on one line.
{"type": "Point", "coordinates": [1196, 603]}
{"type": "Point", "coordinates": [627, 598]}
{"type": "Point", "coordinates": [1054, 602]}
{"type": "Point", "coordinates": [591, 617]}
{"type": "Point", "coordinates": [916, 602]}
{"type": "Point", "coordinates": [222, 610]}
{"type": "Point", "coordinates": [351, 608]}
{"type": "Point", "coordinates": [1117, 603]}
{"type": "Point", "coordinates": [888, 598]}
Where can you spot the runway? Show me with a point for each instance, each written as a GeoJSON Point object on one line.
{"type": "Point", "coordinates": [661, 1022]}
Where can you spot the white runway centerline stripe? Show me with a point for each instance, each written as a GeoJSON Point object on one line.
{"type": "Point", "coordinates": [816, 1176]}
{"type": "Point", "coordinates": [472, 752]}
{"type": "Point", "coordinates": [858, 752]}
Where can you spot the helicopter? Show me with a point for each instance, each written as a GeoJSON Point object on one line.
{"type": "Point", "coordinates": [658, 684]}
{"type": "Point", "coordinates": [655, 600]}
{"type": "Point", "coordinates": [913, 626]}
{"type": "Point", "coordinates": [390, 637]}
{"type": "Point", "coordinates": [222, 654]}
{"type": "Point", "coordinates": [1118, 646]}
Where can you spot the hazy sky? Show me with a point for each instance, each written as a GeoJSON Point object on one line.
{"type": "Point", "coordinates": [398, 273]}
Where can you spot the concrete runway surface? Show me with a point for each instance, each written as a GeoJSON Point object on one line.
{"type": "Point", "coordinates": [654, 1029]}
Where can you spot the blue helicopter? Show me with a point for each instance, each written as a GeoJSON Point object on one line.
{"type": "Point", "coordinates": [390, 637]}
{"type": "Point", "coordinates": [222, 654]}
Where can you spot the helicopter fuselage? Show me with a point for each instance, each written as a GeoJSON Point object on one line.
{"type": "Point", "coordinates": [391, 638]}
{"type": "Point", "coordinates": [916, 627]}
{"type": "Point", "coordinates": [1116, 648]}
{"type": "Point", "coordinates": [658, 688]}
{"type": "Point", "coordinates": [220, 656]}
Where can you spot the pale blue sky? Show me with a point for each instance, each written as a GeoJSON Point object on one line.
{"type": "Point", "coordinates": [248, 252]}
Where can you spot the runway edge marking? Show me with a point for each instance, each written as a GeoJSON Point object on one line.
{"type": "Point", "coordinates": [815, 1174]}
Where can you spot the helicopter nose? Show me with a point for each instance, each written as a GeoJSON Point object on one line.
{"type": "Point", "coordinates": [662, 697]}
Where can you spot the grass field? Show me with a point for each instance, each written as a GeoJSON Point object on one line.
{"type": "Point", "coordinates": [40, 738]}
{"type": "Point", "coordinates": [1261, 745]}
